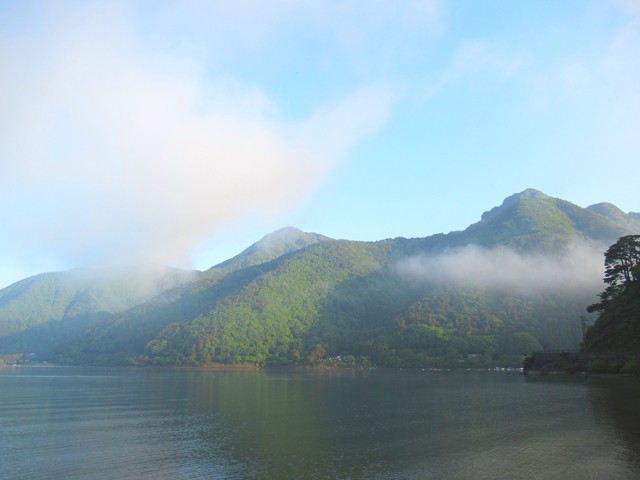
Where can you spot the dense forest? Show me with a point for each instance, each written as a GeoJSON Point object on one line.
{"type": "Point", "coordinates": [511, 284]}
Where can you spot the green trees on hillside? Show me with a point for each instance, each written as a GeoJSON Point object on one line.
{"type": "Point", "coordinates": [291, 315]}
{"type": "Point", "coordinates": [269, 319]}
{"type": "Point", "coordinates": [618, 326]}
{"type": "Point", "coordinates": [302, 298]}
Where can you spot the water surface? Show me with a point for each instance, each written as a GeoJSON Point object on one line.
{"type": "Point", "coordinates": [88, 423]}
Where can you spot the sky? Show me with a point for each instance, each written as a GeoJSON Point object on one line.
{"type": "Point", "coordinates": [181, 132]}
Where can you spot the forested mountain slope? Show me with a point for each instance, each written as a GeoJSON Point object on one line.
{"type": "Point", "coordinates": [130, 329]}
{"type": "Point", "coordinates": [509, 284]}
{"type": "Point", "coordinates": [39, 311]}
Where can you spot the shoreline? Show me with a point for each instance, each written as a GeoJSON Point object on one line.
{"type": "Point", "coordinates": [543, 364]}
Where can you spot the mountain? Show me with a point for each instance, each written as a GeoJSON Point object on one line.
{"type": "Point", "coordinates": [128, 332]}
{"type": "Point", "coordinates": [268, 248]}
{"type": "Point", "coordinates": [296, 297]}
{"type": "Point", "coordinates": [39, 311]}
{"type": "Point", "coordinates": [532, 220]}
{"type": "Point", "coordinates": [34, 310]}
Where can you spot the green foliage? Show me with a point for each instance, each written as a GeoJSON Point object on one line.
{"type": "Point", "coordinates": [274, 245]}
{"type": "Point", "coordinates": [268, 318]}
{"type": "Point", "coordinates": [622, 270]}
{"type": "Point", "coordinates": [617, 328]}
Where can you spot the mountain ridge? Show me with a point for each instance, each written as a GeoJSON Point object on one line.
{"type": "Point", "coordinates": [292, 295]}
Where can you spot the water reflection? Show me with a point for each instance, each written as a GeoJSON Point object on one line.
{"type": "Point", "coordinates": [615, 404]}
{"type": "Point", "coordinates": [146, 423]}
{"type": "Point", "coordinates": [406, 425]}
{"type": "Point", "coordinates": [283, 425]}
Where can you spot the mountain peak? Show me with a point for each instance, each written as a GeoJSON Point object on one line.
{"type": "Point", "coordinates": [271, 246]}
{"type": "Point", "coordinates": [528, 194]}
{"type": "Point", "coordinates": [532, 220]}
{"type": "Point", "coordinates": [629, 220]}
{"type": "Point", "coordinates": [607, 209]}
{"type": "Point", "coordinates": [285, 240]}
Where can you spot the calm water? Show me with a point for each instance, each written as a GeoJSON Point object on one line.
{"type": "Point", "coordinates": [79, 423]}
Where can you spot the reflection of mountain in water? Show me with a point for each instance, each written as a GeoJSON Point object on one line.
{"type": "Point", "coordinates": [615, 404]}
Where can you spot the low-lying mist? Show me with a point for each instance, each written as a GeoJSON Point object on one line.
{"type": "Point", "coordinates": [578, 269]}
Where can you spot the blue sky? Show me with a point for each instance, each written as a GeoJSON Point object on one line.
{"type": "Point", "coordinates": [182, 132]}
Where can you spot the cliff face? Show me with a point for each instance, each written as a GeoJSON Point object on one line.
{"type": "Point", "coordinates": [569, 363]}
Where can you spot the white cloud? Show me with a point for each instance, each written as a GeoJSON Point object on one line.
{"type": "Point", "coordinates": [579, 269]}
{"type": "Point", "coordinates": [111, 153]}
{"type": "Point", "coordinates": [331, 129]}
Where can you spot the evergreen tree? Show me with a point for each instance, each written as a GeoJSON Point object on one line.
{"type": "Point", "coordinates": [622, 270]}
{"type": "Point", "coordinates": [617, 329]}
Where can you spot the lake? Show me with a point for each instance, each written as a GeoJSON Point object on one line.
{"type": "Point", "coordinates": [136, 423]}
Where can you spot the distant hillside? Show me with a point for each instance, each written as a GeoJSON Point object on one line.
{"type": "Point", "coordinates": [296, 297]}
{"type": "Point", "coordinates": [39, 311]}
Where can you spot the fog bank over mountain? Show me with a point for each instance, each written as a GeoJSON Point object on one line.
{"type": "Point", "coordinates": [579, 268]}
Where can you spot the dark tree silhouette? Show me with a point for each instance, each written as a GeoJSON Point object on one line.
{"type": "Point", "coordinates": [622, 270]}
